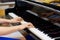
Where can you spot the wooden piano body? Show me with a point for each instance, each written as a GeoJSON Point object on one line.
{"type": "Point", "coordinates": [31, 13]}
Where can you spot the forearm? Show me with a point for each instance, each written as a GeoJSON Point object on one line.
{"type": "Point", "coordinates": [7, 30]}
{"type": "Point", "coordinates": [4, 20]}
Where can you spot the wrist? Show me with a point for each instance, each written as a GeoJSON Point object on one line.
{"type": "Point", "coordinates": [11, 21]}
{"type": "Point", "coordinates": [8, 20]}
{"type": "Point", "coordinates": [16, 28]}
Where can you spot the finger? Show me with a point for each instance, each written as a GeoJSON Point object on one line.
{"type": "Point", "coordinates": [18, 19]}
{"type": "Point", "coordinates": [30, 25]}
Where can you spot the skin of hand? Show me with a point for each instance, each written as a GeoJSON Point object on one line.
{"type": "Point", "coordinates": [19, 19]}
{"type": "Point", "coordinates": [5, 22]}
{"type": "Point", "coordinates": [15, 20]}
{"type": "Point", "coordinates": [30, 25]}
{"type": "Point", "coordinates": [27, 25]}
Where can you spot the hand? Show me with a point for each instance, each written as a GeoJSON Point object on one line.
{"type": "Point", "coordinates": [21, 27]}
{"type": "Point", "coordinates": [17, 19]}
{"type": "Point", "coordinates": [30, 25]}
{"type": "Point", "coordinates": [27, 25]}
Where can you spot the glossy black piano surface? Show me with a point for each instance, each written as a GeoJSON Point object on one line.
{"type": "Point", "coordinates": [46, 26]}
{"type": "Point", "coordinates": [46, 4]}
{"type": "Point", "coordinates": [3, 1]}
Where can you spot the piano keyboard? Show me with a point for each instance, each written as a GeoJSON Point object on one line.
{"type": "Point", "coordinates": [38, 33]}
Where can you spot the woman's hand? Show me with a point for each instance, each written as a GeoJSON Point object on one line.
{"type": "Point", "coordinates": [23, 26]}
{"type": "Point", "coordinates": [30, 25]}
{"type": "Point", "coordinates": [6, 22]}
{"type": "Point", "coordinates": [15, 20]}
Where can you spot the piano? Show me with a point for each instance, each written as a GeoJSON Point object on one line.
{"type": "Point", "coordinates": [45, 29]}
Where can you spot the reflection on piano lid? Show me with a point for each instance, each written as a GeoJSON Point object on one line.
{"type": "Point", "coordinates": [44, 12]}
{"type": "Point", "coordinates": [47, 4]}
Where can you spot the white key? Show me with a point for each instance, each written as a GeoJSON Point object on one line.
{"type": "Point", "coordinates": [13, 15]}
{"type": "Point", "coordinates": [40, 34]}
